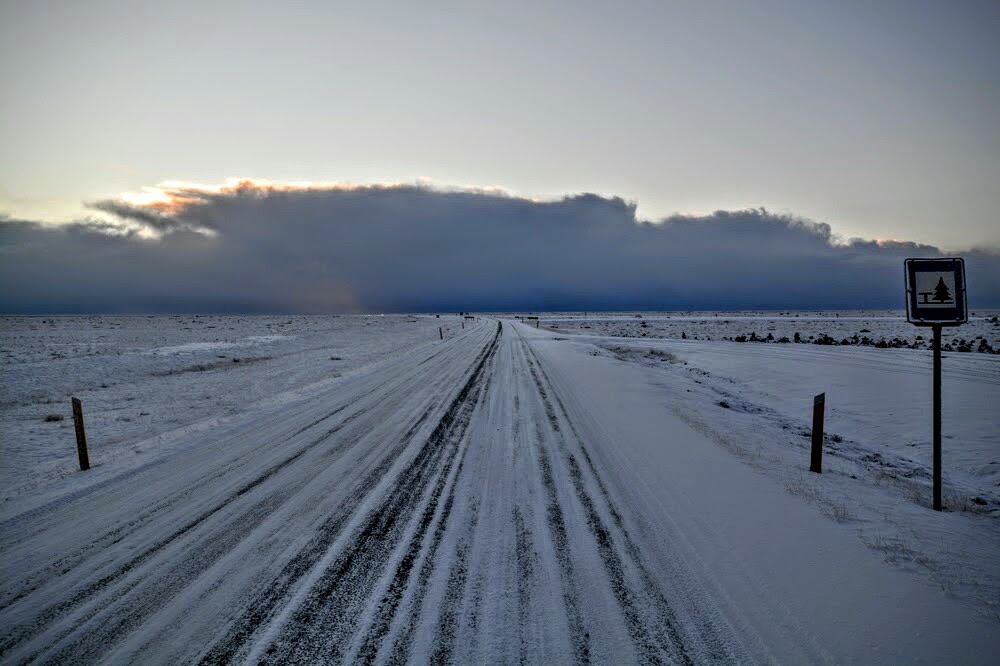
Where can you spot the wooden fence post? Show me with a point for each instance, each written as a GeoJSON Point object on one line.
{"type": "Point", "coordinates": [816, 460]}
{"type": "Point", "coordinates": [81, 435]}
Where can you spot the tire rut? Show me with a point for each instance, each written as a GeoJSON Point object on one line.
{"type": "Point", "coordinates": [663, 646]}
{"type": "Point", "coordinates": [320, 626]}
{"type": "Point", "coordinates": [200, 558]}
{"type": "Point", "coordinates": [579, 637]}
{"type": "Point", "coordinates": [525, 561]}
{"type": "Point", "coordinates": [157, 591]}
{"type": "Point", "coordinates": [68, 563]}
{"type": "Point", "coordinates": [448, 619]}
{"type": "Point", "coordinates": [710, 643]}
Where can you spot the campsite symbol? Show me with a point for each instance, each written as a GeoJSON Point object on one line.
{"type": "Point", "coordinates": [935, 289]}
{"type": "Point", "coordinates": [941, 294]}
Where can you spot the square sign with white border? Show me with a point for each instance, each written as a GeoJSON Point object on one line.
{"type": "Point", "coordinates": [935, 292]}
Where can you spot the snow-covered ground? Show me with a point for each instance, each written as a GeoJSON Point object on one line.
{"type": "Point", "coordinates": [506, 494]}
{"type": "Point", "coordinates": [756, 399]}
{"type": "Point", "coordinates": [855, 327]}
{"type": "Point", "coordinates": [147, 381]}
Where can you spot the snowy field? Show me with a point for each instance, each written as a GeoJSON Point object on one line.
{"type": "Point", "coordinates": [884, 328]}
{"type": "Point", "coordinates": [146, 382]}
{"type": "Point", "coordinates": [355, 489]}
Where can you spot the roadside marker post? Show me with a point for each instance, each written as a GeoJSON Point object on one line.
{"type": "Point", "coordinates": [81, 435]}
{"type": "Point", "coordinates": [816, 459]}
{"type": "Point", "coordinates": [935, 297]}
{"type": "Point", "coordinates": [440, 333]}
{"type": "Point", "coordinates": [936, 425]}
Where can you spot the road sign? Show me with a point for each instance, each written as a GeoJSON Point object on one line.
{"type": "Point", "coordinates": [935, 292]}
{"type": "Point", "coordinates": [935, 296]}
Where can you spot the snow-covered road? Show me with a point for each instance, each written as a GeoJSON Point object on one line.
{"type": "Point", "coordinates": [501, 496]}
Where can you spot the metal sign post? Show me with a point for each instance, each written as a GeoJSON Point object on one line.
{"type": "Point", "coordinates": [936, 428]}
{"type": "Point", "coordinates": [935, 297]}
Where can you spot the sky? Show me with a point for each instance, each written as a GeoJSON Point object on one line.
{"type": "Point", "coordinates": [876, 120]}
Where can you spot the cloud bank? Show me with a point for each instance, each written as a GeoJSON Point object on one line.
{"type": "Point", "coordinates": [312, 247]}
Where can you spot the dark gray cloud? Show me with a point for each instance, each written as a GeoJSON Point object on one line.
{"type": "Point", "coordinates": [406, 248]}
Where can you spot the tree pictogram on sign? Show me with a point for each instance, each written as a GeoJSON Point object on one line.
{"type": "Point", "coordinates": [935, 289]}
{"type": "Point", "coordinates": [941, 293]}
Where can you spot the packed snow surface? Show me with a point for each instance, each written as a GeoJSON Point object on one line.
{"type": "Point", "coordinates": [356, 489]}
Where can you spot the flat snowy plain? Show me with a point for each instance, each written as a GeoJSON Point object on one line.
{"type": "Point", "coordinates": [355, 489]}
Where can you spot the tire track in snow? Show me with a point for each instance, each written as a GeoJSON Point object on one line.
{"type": "Point", "coordinates": [360, 566]}
{"type": "Point", "coordinates": [322, 624]}
{"type": "Point", "coordinates": [265, 604]}
{"type": "Point", "coordinates": [156, 592]}
{"type": "Point", "coordinates": [664, 646]}
{"type": "Point", "coordinates": [391, 599]}
{"type": "Point", "coordinates": [67, 563]}
{"type": "Point", "coordinates": [402, 646]}
{"type": "Point", "coordinates": [52, 613]}
{"type": "Point", "coordinates": [701, 636]}
{"type": "Point", "coordinates": [579, 637]}
{"type": "Point", "coordinates": [158, 589]}
{"type": "Point", "coordinates": [710, 642]}
{"type": "Point", "coordinates": [262, 606]}
{"type": "Point", "coordinates": [150, 594]}
{"type": "Point", "coordinates": [448, 618]}
{"type": "Point", "coordinates": [524, 554]}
